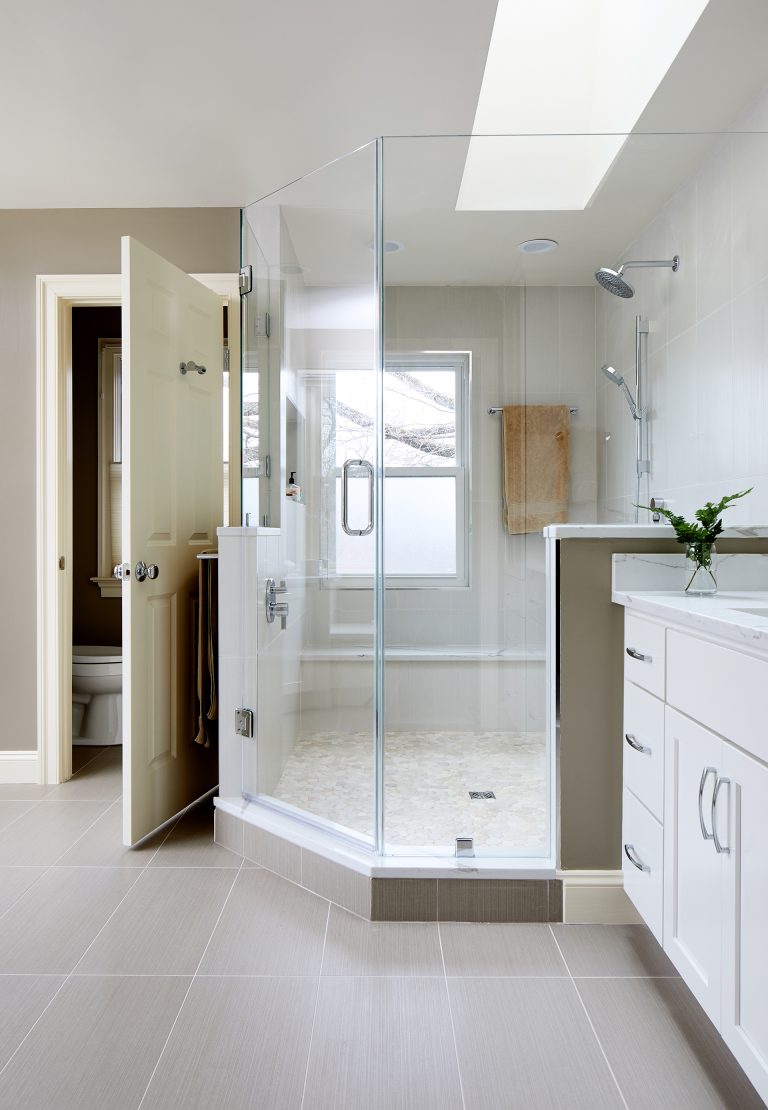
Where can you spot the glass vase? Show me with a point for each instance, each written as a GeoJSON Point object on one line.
{"type": "Point", "coordinates": [700, 570]}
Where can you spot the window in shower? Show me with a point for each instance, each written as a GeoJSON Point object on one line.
{"type": "Point", "coordinates": [426, 479]}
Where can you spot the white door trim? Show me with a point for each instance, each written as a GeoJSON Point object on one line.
{"type": "Point", "coordinates": [57, 294]}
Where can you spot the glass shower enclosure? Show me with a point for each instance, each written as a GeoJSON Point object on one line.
{"type": "Point", "coordinates": [401, 666]}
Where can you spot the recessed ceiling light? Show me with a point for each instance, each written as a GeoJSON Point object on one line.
{"type": "Point", "coordinates": [537, 246]}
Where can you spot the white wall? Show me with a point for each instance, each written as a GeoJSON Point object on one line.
{"type": "Point", "coordinates": [62, 242]}
{"type": "Point", "coordinates": [708, 346]}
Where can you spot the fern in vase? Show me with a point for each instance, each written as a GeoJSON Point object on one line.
{"type": "Point", "coordinates": [699, 539]}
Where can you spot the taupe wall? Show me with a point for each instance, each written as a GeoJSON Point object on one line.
{"type": "Point", "coordinates": [59, 242]}
{"type": "Point", "coordinates": [591, 662]}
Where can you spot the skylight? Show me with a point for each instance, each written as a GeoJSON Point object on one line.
{"type": "Point", "coordinates": [588, 67]}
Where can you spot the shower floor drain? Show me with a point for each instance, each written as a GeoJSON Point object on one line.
{"type": "Point", "coordinates": [481, 794]}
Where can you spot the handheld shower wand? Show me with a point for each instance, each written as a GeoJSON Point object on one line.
{"type": "Point", "coordinates": [617, 379]}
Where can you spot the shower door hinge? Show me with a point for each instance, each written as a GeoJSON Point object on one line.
{"type": "Point", "coordinates": [246, 280]}
{"type": "Point", "coordinates": [244, 723]}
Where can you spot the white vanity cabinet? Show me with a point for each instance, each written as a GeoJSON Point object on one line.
{"type": "Point", "coordinates": [705, 893]}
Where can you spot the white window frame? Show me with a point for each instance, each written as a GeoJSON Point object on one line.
{"type": "Point", "coordinates": [460, 363]}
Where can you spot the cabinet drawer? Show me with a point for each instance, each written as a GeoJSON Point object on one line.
{"type": "Point", "coordinates": [643, 742]}
{"type": "Point", "coordinates": [643, 842]}
{"type": "Point", "coordinates": [725, 689]}
{"type": "Point", "coordinates": [644, 653]}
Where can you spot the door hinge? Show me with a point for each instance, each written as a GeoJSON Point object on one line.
{"type": "Point", "coordinates": [246, 280]}
{"type": "Point", "coordinates": [244, 723]}
{"type": "Point", "coordinates": [226, 360]}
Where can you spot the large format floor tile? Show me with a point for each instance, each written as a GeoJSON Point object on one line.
{"type": "Point", "coordinates": [102, 845]}
{"type": "Point", "coordinates": [102, 777]}
{"type": "Point", "coordinates": [664, 1051]}
{"type": "Point", "coordinates": [357, 947]}
{"type": "Point", "coordinates": [501, 950]}
{"type": "Point", "coordinates": [526, 1044]}
{"type": "Point", "coordinates": [49, 928]}
{"type": "Point", "coordinates": [382, 1043]}
{"type": "Point", "coordinates": [243, 1039]}
{"type": "Point", "coordinates": [615, 950]}
{"type": "Point", "coordinates": [95, 1046]}
{"type": "Point", "coordinates": [268, 927]}
{"type": "Point", "coordinates": [14, 881]}
{"type": "Point", "coordinates": [163, 925]}
{"type": "Point", "coordinates": [26, 791]}
{"type": "Point", "coordinates": [190, 843]}
{"type": "Point", "coordinates": [11, 809]}
{"type": "Point", "coordinates": [22, 999]}
{"type": "Point", "coordinates": [47, 830]}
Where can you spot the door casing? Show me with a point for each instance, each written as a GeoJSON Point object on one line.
{"type": "Point", "coordinates": [57, 295]}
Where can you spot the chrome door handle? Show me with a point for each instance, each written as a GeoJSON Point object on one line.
{"type": "Point", "coordinates": [721, 849]}
{"type": "Point", "coordinates": [633, 653]}
{"type": "Point", "coordinates": [121, 571]}
{"type": "Point", "coordinates": [633, 743]}
{"type": "Point", "coordinates": [143, 571]}
{"type": "Point", "coordinates": [634, 859]}
{"type": "Point", "coordinates": [707, 771]}
{"type": "Point", "coordinates": [365, 465]}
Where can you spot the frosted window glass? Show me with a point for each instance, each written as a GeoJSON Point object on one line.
{"type": "Point", "coordinates": [420, 530]}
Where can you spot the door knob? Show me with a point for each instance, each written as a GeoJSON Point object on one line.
{"type": "Point", "coordinates": [143, 571]}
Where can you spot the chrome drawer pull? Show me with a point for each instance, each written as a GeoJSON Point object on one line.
{"type": "Point", "coordinates": [721, 848]}
{"type": "Point", "coordinates": [634, 654]}
{"type": "Point", "coordinates": [632, 856]}
{"type": "Point", "coordinates": [633, 743]}
{"type": "Point", "coordinates": [704, 773]}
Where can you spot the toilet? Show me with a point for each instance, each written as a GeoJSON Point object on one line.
{"type": "Point", "coordinates": [97, 695]}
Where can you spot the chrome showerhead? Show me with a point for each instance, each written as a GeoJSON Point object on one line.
{"type": "Point", "coordinates": [612, 375]}
{"type": "Point", "coordinates": [614, 282]}
{"type": "Point", "coordinates": [618, 379]}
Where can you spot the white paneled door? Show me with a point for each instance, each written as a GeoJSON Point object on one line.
{"type": "Point", "coordinates": [172, 482]}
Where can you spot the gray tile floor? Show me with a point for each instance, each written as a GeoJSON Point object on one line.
{"type": "Point", "coordinates": [181, 977]}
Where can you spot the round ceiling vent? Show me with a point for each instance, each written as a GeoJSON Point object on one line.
{"type": "Point", "coordinates": [537, 246]}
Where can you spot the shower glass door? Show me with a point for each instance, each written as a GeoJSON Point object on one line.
{"type": "Point", "coordinates": [311, 338]}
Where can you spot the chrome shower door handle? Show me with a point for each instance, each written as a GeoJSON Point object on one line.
{"type": "Point", "coordinates": [704, 775]}
{"type": "Point", "coordinates": [363, 464]}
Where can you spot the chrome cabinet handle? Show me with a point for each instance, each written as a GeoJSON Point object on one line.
{"type": "Point", "coordinates": [634, 859]}
{"type": "Point", "coordinates": [633, 653]}
{"type": "Point", "coordinates": [364, 465]}
{"type": "Point", "coordinates": [722, 849]}
{"type": "Point", "coordinates": [634, 743]}
{"type": "Point", "coordinates": [143, 571]}
{"type": "Point", "coordinates": [707, 771]}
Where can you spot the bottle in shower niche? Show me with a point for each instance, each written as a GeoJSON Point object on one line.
{"type": "Point", "coordinates": [293, 489]}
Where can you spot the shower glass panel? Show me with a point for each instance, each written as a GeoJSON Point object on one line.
{"type": "Point", "coordinates": [312, 342]}
{"type": "Point", "coordinates": [465, 751]}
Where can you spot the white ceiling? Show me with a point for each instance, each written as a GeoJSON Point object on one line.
{"type": "Point", "coordinates": [187, 103]}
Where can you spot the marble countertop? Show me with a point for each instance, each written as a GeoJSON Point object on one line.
{"type": "Point", "coordinates": [663, 531]}
{"type": "Point", "coordinates": [653, 585]}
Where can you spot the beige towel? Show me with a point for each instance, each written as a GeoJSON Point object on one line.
{"type": "Point", "coordinates": [535, 466]}
{"type": "Point", "coordinates": [207, 647]}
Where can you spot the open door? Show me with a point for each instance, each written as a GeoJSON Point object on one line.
{"type": "Point", "coordinates": [172, 505]}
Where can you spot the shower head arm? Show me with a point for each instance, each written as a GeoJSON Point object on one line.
{"type": "Point", "coordinates": [671, 263]}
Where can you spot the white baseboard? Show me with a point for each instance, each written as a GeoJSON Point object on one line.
{"type": "Point", "coordinates": [596, 898]}
{"type": "Point", "coordinates": [16, 767]}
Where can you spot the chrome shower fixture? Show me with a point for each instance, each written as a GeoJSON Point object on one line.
{"type": "Point", "coordinates": [617, 379]}
{"type": "Point", "coordinates": [615, 282]}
